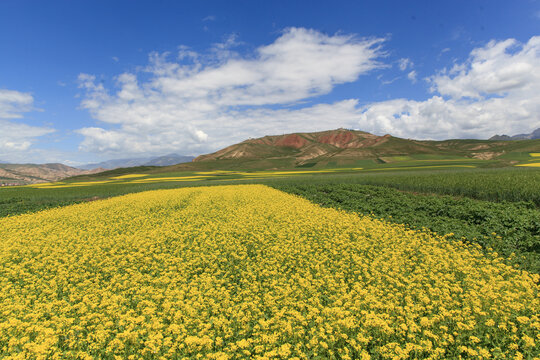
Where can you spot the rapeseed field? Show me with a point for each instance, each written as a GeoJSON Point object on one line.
{"type": "Point", "coordinates": [247, 271]}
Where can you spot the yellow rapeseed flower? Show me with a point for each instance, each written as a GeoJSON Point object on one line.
{"type": "Point", "coordinates": [247, 271]}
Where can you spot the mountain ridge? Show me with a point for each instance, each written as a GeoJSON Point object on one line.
{"type": "Point", "coordinates": [531, 136]}
{"type": "Point", "coordinates": [343, 145]}
{"type": "Point", "coordinates": [164, 160]}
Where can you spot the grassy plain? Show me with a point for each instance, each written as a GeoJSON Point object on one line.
{"type": "Point", "coordinates": [240, 272]}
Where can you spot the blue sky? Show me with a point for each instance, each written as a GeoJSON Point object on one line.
{"type": "Point", "coordinates": [84, 81]}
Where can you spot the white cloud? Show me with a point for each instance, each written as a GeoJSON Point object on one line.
{"type": "Point", "coordinates": [226, 128]}
{"type": "Point", "coordinates": [188, 104]}
{"type": "Point", "coordinates": [499, 68]}
{"type": "Point", "coordinates": [437, 118]}
{"type": "Point", "coordinates": [497, 90]}
{"type": "Point", "coordinates": [405, 63]}
{"type": "Point", "coordinates": [412, 76]}
{"type": "Point", "coordinates": [16, 137]}
{"type": "Point", "coordinates": [202, 102]}
{"type": "Point", "coordinates": [14, 103]}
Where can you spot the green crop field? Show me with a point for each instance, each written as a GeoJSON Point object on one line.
{"type": "Point", "coordinates": [506, 184]}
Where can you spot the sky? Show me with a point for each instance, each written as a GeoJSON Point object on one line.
{"type": "Point", "coordinates": [88, 81]}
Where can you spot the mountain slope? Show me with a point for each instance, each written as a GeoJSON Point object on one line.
{"type": "Point", "coordinates": [21, 174]}
{"type": "Point", "coordinates": [340, 143]}
{"type": "Point", "coordinates": [344, 145]}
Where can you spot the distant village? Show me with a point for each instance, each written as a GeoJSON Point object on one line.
{"type": "Point", "coordinates": [10, 184]}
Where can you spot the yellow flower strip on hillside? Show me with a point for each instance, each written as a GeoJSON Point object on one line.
{"type": "Point", "coordinates": [129, 176]}
{"type": "Point", "coordinates": [175, 178]}
{"type": "Point", "coordinates": [246, 271]}
{"type": "Point", "coordinates": [214, 172]}
{"type": "Point", "coordinates": [72, 184]}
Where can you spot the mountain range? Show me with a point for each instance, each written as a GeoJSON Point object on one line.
{"type": "Point", "coordinates": [164, 160]}
{"type": "Point", "coordinates": [532, 136]}
{"type": "Point", "coordinates": [321, 149]}
{"type": "Point", "coordinates": [20, 174]}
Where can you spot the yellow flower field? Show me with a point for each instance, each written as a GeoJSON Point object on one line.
{"type": "Point", "coordinates": [129, 176]}
{"type": "Point", "coordinates": [246, 271]}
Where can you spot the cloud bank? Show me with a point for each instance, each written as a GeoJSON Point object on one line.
{"type": "Point", "coordinates": [223, 97]}
{"type": "Point", "coordinates": [497, 90]}
{"type": "Point", "coordinates": [201, 102]}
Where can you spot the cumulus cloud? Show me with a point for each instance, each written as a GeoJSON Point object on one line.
{"type": "Point", "coordinates": [181, 104]}
{"type": "Point", "coordinates": [497, 90]}
{"type": "Point", "coordinates": [16, 137]}
{"type": "Point", "coordinates": [199, 102]}
{"type": "Point", "coordinates": [499, 68]}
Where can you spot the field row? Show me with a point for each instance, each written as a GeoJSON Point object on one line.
{"type": "Point", "coordinates": [248, 271]}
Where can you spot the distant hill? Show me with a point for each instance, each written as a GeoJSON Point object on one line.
{"type": "Point", "coordinates": [35, 173]}
{"type": "Point", "coordinates": [532, 136]}
{"type": "Point", "coordinates": [343, 146]}
{"type": "Point", "coordinates": [165, 160]}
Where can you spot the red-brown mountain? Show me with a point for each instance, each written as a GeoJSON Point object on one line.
{"type": "Point", "coordinates": [343, 145]}
{"type": "Point", "coordinates": [304, 146]}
